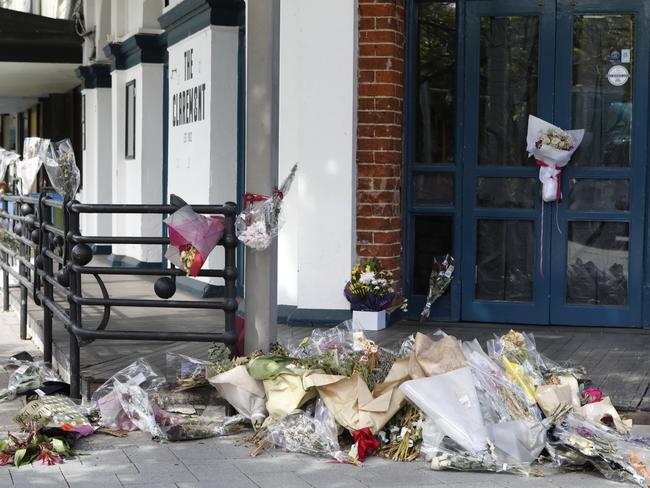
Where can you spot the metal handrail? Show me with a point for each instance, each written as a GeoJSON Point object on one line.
{"type": "Point", "coordinates": [45, 272]}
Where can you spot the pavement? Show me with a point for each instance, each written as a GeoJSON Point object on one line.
{"type": "Point", "coordinates": [137, 461]}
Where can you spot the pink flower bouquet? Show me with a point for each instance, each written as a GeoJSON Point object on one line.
{"type": "Point", "coordinates": [191, 238]}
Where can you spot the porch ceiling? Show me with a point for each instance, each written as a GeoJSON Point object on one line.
{"type": "Point", "coordinates": [36, 79]}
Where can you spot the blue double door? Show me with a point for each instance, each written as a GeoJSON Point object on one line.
{"type": "Point", "coordinates": [577, 64]}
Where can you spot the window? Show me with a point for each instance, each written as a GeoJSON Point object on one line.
{"type": "Point", "coordinates": [83, 122]}
{"type": "Point", "coordinates": [130, 120]}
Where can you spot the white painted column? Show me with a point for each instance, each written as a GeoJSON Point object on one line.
{"type": "Point", "coordinates": [262, 120]}
{"type": "Point", "coordinates": [138, 180]}
{"type": "Point", "coordinates": [97, 157]}
{"type": "Point", "coordinates": [318, 75]}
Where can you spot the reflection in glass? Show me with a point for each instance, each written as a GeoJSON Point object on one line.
{"type": "Point", "coordinates": [433, 238]}
{"type": "Point", "coordinates": [602, 109]}
{"type": "Point", "coordinates": [508, 88]}
{"type": "Point", "coordinates": [504, 260]}
{"type": "Point", "coordinates": [506, 192]}
{"type": "Point", "coordinates": [435, 114]}
{"type": "Point", "coordinates": [599, 194]}
{"type": "Point", "coordinates": [597, 269]}
{"type": "Point", "coordinates": [433, 188]}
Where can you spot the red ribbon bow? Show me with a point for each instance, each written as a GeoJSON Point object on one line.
{"type": "Point", "coordinates": [251, 198]}
{"type": "Point", "coordinates": [367, 444]}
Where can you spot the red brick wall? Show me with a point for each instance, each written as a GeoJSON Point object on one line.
{"type": "Point", "coordinates": [379, 131]}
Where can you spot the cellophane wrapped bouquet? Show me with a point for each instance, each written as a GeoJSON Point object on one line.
{"type": "Point", "coordinates": [259, 223]}
{"type": "Point", "coordinates": [35, 151]}
{"type": "Point", "coordinates": [62, 169]}
{"type": "Point", "coordinates": [552, 147]}
{"type": "Point", "coordinates": [192, 237]}
{"type": "Point", "coordinates": [439, 280]}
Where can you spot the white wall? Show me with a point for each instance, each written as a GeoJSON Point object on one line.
{"type": "Point", "coordinates": [318, 77]}
{"type": "Point", "coordinates": [129, 17]}
{"type": "Point", "coordinates": [138, 180]}
{"type": "Point", "coordinates": [203, 153]}
{"type": "Point", "coordinates": [97, 157]}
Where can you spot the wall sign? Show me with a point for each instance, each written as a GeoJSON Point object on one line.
{"type": "Point", "coordinates": [618, 75]}
{"type": "Point", "coordinates": [189, 102]}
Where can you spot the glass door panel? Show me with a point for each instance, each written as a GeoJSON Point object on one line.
{"type": "Point", "coordinates": [597, 243]}
{"type": "Point", "coordinates": [509, 83]}
{"type": "Point", "coordinates": [509, 73]}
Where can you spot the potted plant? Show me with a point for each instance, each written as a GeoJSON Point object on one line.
{"type": "Point", "coordinates": [370, 293]}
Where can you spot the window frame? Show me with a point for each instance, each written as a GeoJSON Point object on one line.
{"type": "Point", "coordinates": [129, 149]}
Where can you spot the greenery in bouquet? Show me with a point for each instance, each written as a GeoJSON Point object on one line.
{"type": "Point", "coordinates": [21, 449]}
{"type": "Point", "coordinates": [220, 357]}
{"type": "Point", "coordinates": [370, 288]}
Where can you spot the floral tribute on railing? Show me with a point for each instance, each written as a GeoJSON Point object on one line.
{"type": "Point", "coordinates": [261, 220]}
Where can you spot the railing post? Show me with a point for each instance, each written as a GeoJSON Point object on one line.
{"type": "Point", "coordinates": [75, 309]}
{"type": "Point", "coordinates": [230, 272]}
{"type": "Point", "coordinates": [22, 271]}
{"type": "Point", "coordinates": [45, 213]}
{"type": "Point", "coordinates": [5, 262]}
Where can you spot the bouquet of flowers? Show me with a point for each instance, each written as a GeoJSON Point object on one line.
{"type": "Point", "coordinates": [21, 449]}
{"type": "Point", "coordinates": [578, 442]}
{"type": "Point", "coordinates": [34, 153]}
{"type": "Point", "coordinates": [260, 221]}
{"type": "Point", "coordinates": [440, 278]}
{"type": "Point", "coordinates": [552, 147]}
{"type": "Point", "coordinates": [186, 372]}
{"type": "Point", "coordinates": [192, 237]}
{"type": "Point", "coordinates": [369, 288]}
{"type": "Point", "coordinates": [62, 169]}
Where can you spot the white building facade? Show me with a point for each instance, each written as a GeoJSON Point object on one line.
{"type": "Point", "coordinates": [164, 94]}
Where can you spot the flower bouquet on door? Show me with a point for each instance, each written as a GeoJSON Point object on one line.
{"type": "Point", "coordinates": [192, 237]}
{"type": "Point", "coordinates": [552, 147]}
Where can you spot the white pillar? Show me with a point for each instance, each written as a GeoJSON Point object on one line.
{"type": "Point", "coordinates": [97, 157]}
{"type": "Point", "coordinates": [262, 116]}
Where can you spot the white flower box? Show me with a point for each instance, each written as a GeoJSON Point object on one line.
{"type": "Point", "coordinates": [370, 320]}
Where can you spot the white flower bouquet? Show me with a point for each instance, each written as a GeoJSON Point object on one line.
{"type": "Point", "coordinates": [552, 147]}
{"type": "Point", "coordinates": [260, 221]}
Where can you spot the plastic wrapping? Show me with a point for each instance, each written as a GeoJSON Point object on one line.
{"type": "Point", "coordinates": [501, 399]}
{"type": "Point", "coordinates": [259, 223]}
{"type": "Point", "coordinates": [62, 169]}
{"type": "Point", "coordinates": [450, 456]}
{"type": "Point", "coordinates": [552, 147]}
{"type": "Point", "coordinates": [451, 401]}
{"type": "Point", "coordinates": [123, 402]}
{"type": "Point", "coordinates": [25, 376]}
{"type": "Point", "coordinates": [299, 432]}
{"type": "Point", "coordinates": [7, 158]}
{"type": "Point", "coordinates": [577, 443]}
{"type": "Point", "coordinates": [34, 154]}
{"type": "Point", "coordinates": [439, 280]}
{"type": "Point", "coordinates": [54, 412]}
{"type": "Point", "coordinates": [192, 237]}
{"type": "Point", "coordinates": [196, 429]}
{"type": "Point", "coordinates": [343, 339]}
{"type": "Point", "coordinates": [185, 372]}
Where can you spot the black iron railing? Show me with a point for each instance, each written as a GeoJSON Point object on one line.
{"type": "Point", "coordinates": [52, 261]}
